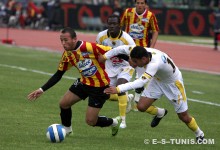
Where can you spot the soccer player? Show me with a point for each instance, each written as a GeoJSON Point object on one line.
{"type": "Point", "coordinates": [161, 77]}
{"type": "Point", "coordinates": [118, 69]}
{"type": "Point", "coordinates": [141, 24]}
{"type": "Point", "coordinates": [82, 55]}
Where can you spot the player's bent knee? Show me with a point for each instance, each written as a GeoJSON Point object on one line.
{"type": "Point", "coordinates": [141, 107]}
{"type": "Point", "coordinates": [64, 105]}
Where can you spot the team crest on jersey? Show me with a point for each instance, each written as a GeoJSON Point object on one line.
{"type": "Point", "coordinates": [113, 43]}
{"type": "Point", "coordinates": [164, 59]}
{"type": "Point", "coordinates": [138, 20]}
{"type": "Point", "coordinates": [130, 13]}
{"type": "Point", "coordinates": [85, 54]}
{"type": "Point", "coordinates": [69, 53]}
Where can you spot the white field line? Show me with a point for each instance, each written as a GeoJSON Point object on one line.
{"type": "Point", "coordinates": [67, 77]}
{"type": "Point", "coordinates": [180, 43]}
{"type": "Point", "coordinates": [35, 71]}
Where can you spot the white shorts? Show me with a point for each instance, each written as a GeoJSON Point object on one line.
{"type": "Point", "coordinates": [175, 92]}
{"type": "Point", "coordinates": [126, 73]}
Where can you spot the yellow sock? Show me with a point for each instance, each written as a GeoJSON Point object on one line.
{"type": "Point", "coordinates": [113, 97]}
{"type": "Point", "coordinates": [193, 125]}
{"type": "Point", "coordinates": [152, 110]}
{"type": "Point", "coordinates": [122, 100]}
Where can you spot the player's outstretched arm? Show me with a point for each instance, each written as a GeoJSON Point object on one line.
{"type": "Point", "coordinates": [51, 82]}
{"type": "Point", "coordinates": [35, 94]}
{"type": "Point", "coordinates": [111, 90]}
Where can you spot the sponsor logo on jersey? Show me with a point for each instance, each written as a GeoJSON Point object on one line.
{"type": "Point", "coordinates": [84, 64]}
{"type": "Point", "coordinates": [136, 28]}
{"type": "Point", "coordinates": [89, 71]}
{"type": "Point", "coordinates": [116, 60]}
{"type": "Point", "coordinates": [136, 35]}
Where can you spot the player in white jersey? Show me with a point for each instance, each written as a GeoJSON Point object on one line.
{"type": "Point", "coordinates": [162, 77]}
{"type": "Point", "coordinates": [118, 69]}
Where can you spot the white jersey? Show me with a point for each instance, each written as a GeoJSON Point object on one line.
{"type": "Point", "coordinates": [114, 64]}
{"type": "Point", "coordinates": [161, 66]}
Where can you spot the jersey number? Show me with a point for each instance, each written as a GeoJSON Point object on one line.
{"type": "Point", "coordinates": [171, 63]}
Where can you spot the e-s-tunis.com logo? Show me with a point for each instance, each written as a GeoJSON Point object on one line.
{"type": "Point", "coordinates": [179, 141]}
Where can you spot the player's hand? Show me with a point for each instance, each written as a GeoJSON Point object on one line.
{"type": "Point", "coordinates": [101, 58]}
{"type": "Point", "coordinates": [34, 95]}
{"type": "Point", "coordinates": [111, 90]}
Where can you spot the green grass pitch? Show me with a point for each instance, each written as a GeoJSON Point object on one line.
{"type": "Point", "coordinates": [23, 123]}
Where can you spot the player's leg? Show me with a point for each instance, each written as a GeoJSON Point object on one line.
{"type": "Point", "coordinates": [176, 93]}
{"type": "Point", "coordinates": [191, 123]}
{"type": "Point", "coordinates": [97, 98]}
{"type": "Point", "coordinates": [122, 103]}
{"type": "Point", "coordinates": [113, 82]}
{"type": "Point", "coordinates": [151, 93]}
{"type": "Point", "coordinates": [66, 102]}
{"type": "Point", "coordinates": [72, 96]}
{"type": "Point", "coordinates": [122, 78]}
{"type": "Point", "coordinates": [138, 91]}
{"type": "Point", "coordinates": [145, 104]}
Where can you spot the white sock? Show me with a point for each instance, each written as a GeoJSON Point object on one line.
{"type": "Point", "coordinates": [137, 97]}
{"type": "Point", "coordinates": [115, 122]}
{"type": "Point", "coordinates": [199, 132]}
{"type": "Point", "coordinates": [68, 129]}
{"type": "Point", "coordinates": [160, 112]}
{"type": "Point", "coordinates": [123, 119]}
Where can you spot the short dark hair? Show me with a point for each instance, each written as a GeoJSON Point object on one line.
{"type": "Point", "coordinates": [145, 1]}
{"type": "Point", "coordinates": [114, 16]}
{"type": "Point", "coordinates": [70, 31]}
{"type": "Point", "coordinates": [139, 52]}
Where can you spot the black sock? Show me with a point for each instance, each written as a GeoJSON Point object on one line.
{"type": "Point", "coordinates": [104, 121]}
{"type": "Point", "coordinates": [66, 116]}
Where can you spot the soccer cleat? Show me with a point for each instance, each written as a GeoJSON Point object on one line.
{"type": "Point", "coordinates": [116, 128]}
{"type": "Point", "coordinates": [200, 139]}
{"type": "Point", "coordinates": [135, 107]}
{"type": "Point", "coordinates": [69, 130]}
{"type": "Point", "coordinates": [69, 133]}
{"type": "Point", "coordinates": [156, 120]}
{"type": "Point", "coordinates": [123, 125]}
{"type": "Point", "coordinates": [130, 98]}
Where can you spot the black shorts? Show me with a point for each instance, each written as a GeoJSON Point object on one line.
{"type": "Point", "coordinates": [96, 95]}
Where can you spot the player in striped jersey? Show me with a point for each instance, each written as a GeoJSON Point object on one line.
{"type": "Point", "coordinates": [82, 55]}
{"type": "Point", "coordinates": [139, 22]}
{"type": "Point", "coordinates": [161, 77]}
{"type": "Point", "coordinates": [118, 69]}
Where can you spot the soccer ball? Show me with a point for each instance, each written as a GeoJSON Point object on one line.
{"type": "Point", "coordinates": [56, 133]}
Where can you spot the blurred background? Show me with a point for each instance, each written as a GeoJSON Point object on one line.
{"type": "Point", "coordinates": [175, 17]}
